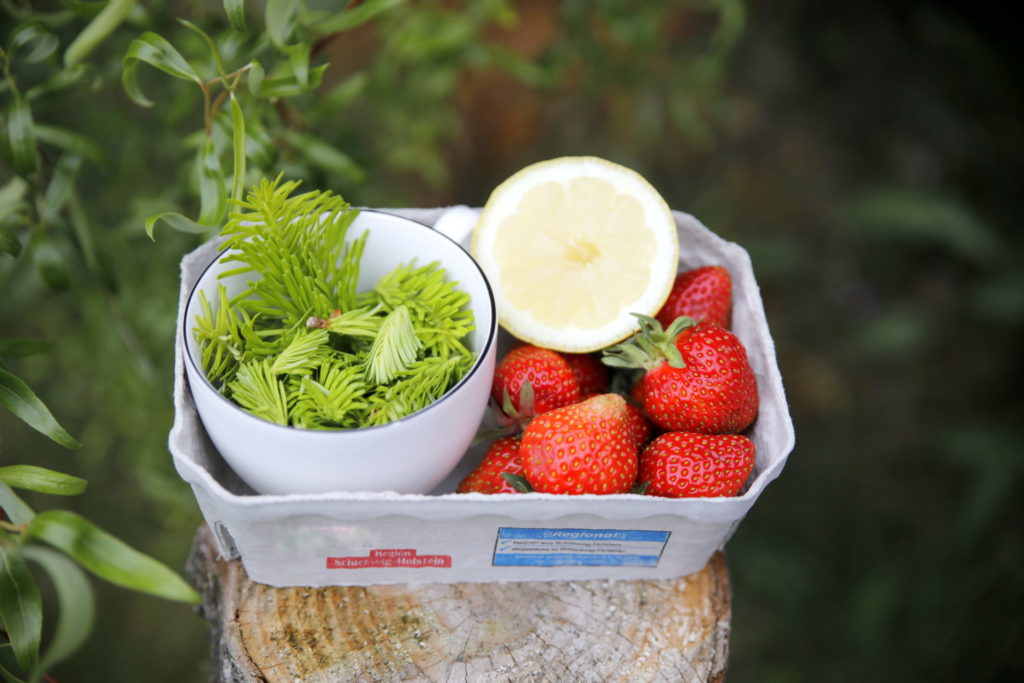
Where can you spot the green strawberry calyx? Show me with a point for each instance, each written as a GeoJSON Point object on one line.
{"type": "Point", "coordinates": [652, 346]}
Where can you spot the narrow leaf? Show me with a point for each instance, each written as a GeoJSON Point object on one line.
{"type": "Point", "coordinates": [213, 194]}
{"type": "Point", "coordinates": [278, 16]}
{"type": "Point", "coordinates": [22, 347]}
{"type": "Point", "coordinates": [153, 49]}
{"type": "Point", "coordinates": [210, 45]}
{"type": "Point", "coordinates": [49, 263]}
{"type": "Point", "coordinates": [298, 59]}
{"type": "Point", "coordinates": [76, 602]}
{"type": "Point", "coordinates": [9, 677]}
{"type": "Point", "coordinates": [287, 86]}
{"type": "Point", "coordinates": [19, 399]}
{"type": "Point", "coordinates": [58, 192]}
{"type": "Point", "coordinates": [42, 39]}
{"type": "Point", "coordinates": [70, 141]}
{"type": "Point", "coordinates": [41, 479]}
{"type": "Point", "coordinates": [9, 242]}
{"type": "Point", "coordinates": [177, 221]}
{"type": "Point", "coordinates": [104, 23]}
{"type": "Point", "coordinates": [21, 136]}
{"type": "Point", "coordinates": [21, 607]}
{"type": "Point", "coordinates": [12, 197]}
{"type": "Point", "coordinates": [351, 16]}
{"type": "Point", "coordinates": [84, 234]}
{"type": "Point", "coordinates": [324, 156]}
{"type": "Point", "coordinates": [238, 141]}
{"type": "Point", "coordinates": [13, 506]}
{"type": "Point", "coordinates": [60, 80]}
{"type": "Point", "coordinates": [255, 77]}
{"type": "Point", "coordinates": [236, 14]}
{"type": "Point", "coordinates": [108, 557]}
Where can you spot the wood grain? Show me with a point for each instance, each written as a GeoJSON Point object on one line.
{"type": "Point", "coordinates": [629, 631]}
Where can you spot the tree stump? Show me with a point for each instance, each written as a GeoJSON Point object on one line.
{"type": "Point", "coordinates": [629, 631]}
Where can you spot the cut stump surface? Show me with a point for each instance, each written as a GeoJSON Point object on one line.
{"type": "Point", "coordinates": [664, 630]}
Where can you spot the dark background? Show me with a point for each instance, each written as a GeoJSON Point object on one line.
{"type": "Point", "coordinates": [869, 157]}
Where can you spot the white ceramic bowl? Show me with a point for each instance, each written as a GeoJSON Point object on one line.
{"type": "Point", "coordinates": [410, 455]}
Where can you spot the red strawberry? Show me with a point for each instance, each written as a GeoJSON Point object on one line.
{"type": "Point", "coordinates": [689, 465]}
{"type": "Point", "coordinates": [638, 425]}
{"type": "Point", "coordinates": [703, 293]}
{"type": "Point", "coordinates": [698, 377]}
{"type": "Point", "coordinates": [582, 448]}
{"type": "Point", "coordinates": [590, 372]}
{"type": "Point", "coordinates": [501, 456]}
{"type": "Point", "coordinates": [531, 380]}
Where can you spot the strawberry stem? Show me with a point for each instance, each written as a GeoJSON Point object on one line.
{"type": "Point", "coordinates": [651, 346]}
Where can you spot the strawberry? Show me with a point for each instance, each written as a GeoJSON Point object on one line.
{"type": "Point", "coordinates": [689, 465]}
{"type": "Point", "coordinates": [697, 379]}
{"type": "Point", "coordinates": [581, 448]}
{"type": "Point", "coordinates": [638, 425]}
{"type": "Point", "coordinates": [531, 380]}
{"type": "Point", "coordinates": [703, 293]}
{"type": "Point", "coordinates": [501, 456]}
{"type": "Point", "coordinates": [590, 372]}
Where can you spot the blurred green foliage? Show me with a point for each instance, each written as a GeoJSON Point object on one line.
{"type": "Point", "coordinates": [866, 155]}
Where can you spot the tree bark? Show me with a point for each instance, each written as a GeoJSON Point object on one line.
{"type": "Point", "coordinates": [629, 631]}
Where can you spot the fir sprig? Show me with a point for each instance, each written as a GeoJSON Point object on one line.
{"type": "Point", "coordinates": [257, 389]}
{"type": "Point", "coordinates": [297, 246]}
{"type": "Point", "coordinates": [394, 349]}
{"type": "Point", "coordinates": [301, 346]}
{"type": "Point", "coordinates": [440, 311]}
{"type": "Point", "coordinates": [335, 398]}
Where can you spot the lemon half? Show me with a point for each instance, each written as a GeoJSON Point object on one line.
{"type": "Point", "coordinates": [573, 247]}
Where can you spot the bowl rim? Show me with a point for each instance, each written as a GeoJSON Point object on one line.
{"type": "Point", "coordinates": [338, 433]}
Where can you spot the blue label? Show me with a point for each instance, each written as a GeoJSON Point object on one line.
{"type": "Point", "coordinates": [525, 547]}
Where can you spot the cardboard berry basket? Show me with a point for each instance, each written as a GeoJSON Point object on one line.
{"type": "Point", "coordinates": [374, 538]}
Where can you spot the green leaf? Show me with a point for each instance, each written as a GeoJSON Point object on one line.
{"type": "Point", "coordinates": [41, 479]}
{"type": "Point", "coordinates": [70, 141]}
{"type": "Point", "coordinates": [287, 86]}
{"type": "Point", "coordinates": [42, 39]}
{"type": "Point", "coordinates": [213, 193]}
{"type": "Point", "coordinates": [350, 17]}
{"type": "Point", "coordinates": [58, 192]}
{"type": "Point", "coordinates": [108, 557]}
{"type": "Point", "coordinates": [76, 602]}
{"type": "Point", "coordinates": [278, 16]}
{"type": "Point", "coordinates": [49, 263]}
{"type": "Point", "coordinates": [9, 677]}
{"type": "Point", "coordinates": [21, 136]}
{"type": "Point", "coordinates": [14, 507]}
{"type": "Point", "coordinates": [83, 230]}
{"type": "Point", "coordinates": [917, 217]}
{"type": "Point", "coordinates": [236, 14]}
{"type": "Point", "coordinates": [177, 221]}
{"type": "Point", "coordinates": [60, 80]}
{"type": "Point", "coordinates": [238, 141]}
{"type": "Point", "coordinates": [22, 347]}
{"type": "Point", "coordinates": [21, 607]}
{"type": "Point", "coordinates": [9, 242]}
{"type": "Point", "coordinates": [214, 52]}
{"type": "Point", "coordinates": [298, 59]}
{"type": "Point", "coordinates": [324, 156]}
{"type": "Point", "coordinates": [104, 23]}
{"type": "Point", "coordinates": [19, 399]}
{"type": "Point", "coordinates": [153, 49]}
{"type": "Point", "coordinates": [254, 79]}
{"type": "Point", "coordinates": [12, 197]}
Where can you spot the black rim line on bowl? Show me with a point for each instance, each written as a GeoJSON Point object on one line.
{"type": "Point", "coordinates": [333, 432]}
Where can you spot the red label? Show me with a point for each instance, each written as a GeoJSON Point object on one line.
{"type": "Point", "coordinates": [393, 557]}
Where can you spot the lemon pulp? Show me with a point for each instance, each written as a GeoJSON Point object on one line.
{"type": "Point", "coordinates": [573, 247]}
